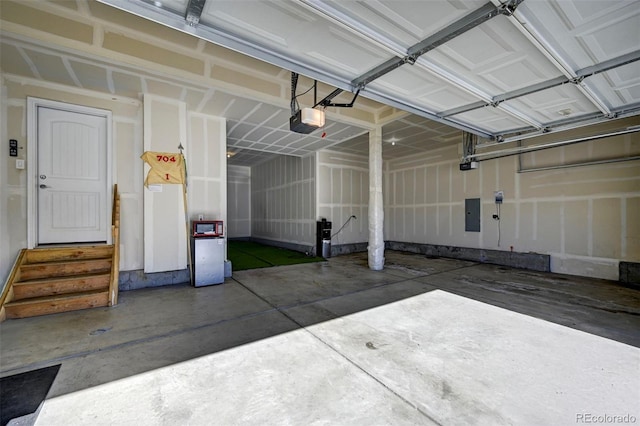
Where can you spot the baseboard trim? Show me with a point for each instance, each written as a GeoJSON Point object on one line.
{"type": "Point", "coordinates": [137, 279]}
{"type": "Point", "coordinates": [530, 261]}
{"type": "Point", "coordinates": [337, 250]}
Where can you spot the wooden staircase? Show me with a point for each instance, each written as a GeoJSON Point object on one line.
{"type": "Point", "coordinates": [51, 280]}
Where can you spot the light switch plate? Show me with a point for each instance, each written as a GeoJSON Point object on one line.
{"type": "Point", "coordinates": [20, 164]}
{"type": "Point", "coordinates": [13, 148]}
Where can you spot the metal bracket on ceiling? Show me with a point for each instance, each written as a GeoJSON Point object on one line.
{"type": "Point", "coordinates": [325, 102]}
{"type": "Point", "coordinates": [194, 11]}
{"type": "Point", "coordinates": [410, 59]}
{"type": "Point", "coordinates": [294, 101]}
{"type": "Point", "coordinates": [508, 8]}
{"type": "Point", "coordinates": [577, 80]}
{"type": "Point", "coordinates": [469, 143]}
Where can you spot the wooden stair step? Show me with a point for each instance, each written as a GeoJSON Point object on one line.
{"type": "Point", "coordinates": [65, 285]}
{"type": "Point", "coordinates": [55, 304]}
{"type": "Point", "coordinates": [56, 254]}
{"type": "Point", "coordinates": [34, 271]}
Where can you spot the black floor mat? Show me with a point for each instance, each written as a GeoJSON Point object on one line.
{"type": "Point", "coordinates": [22, 393]}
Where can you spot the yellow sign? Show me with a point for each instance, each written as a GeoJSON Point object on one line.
{"type": "Point", "coordinates": [166, 167]}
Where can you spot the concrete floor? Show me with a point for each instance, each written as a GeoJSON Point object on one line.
{"type": "Point", "coordinates": [426, 341]}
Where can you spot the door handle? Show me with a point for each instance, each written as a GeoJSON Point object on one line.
{"type": "Point", "coordinates": [43, 186]}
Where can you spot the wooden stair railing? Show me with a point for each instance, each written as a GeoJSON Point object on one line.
{"type": "Point", "coordinates": [59, 279]}
{"type": "Point", "coordinates": [115, 235]}
{"type": "Point", "coordinates": [7, 291]}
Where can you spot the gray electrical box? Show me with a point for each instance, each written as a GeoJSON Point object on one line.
{"type": "Point", "coordinates": [472, 215]}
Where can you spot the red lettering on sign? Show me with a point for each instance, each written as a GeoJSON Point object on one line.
{"type": "Point", "coordinates": [166, 158]}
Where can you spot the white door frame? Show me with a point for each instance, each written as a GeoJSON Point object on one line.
{"type": "Point", "coordinates": [32, 160]}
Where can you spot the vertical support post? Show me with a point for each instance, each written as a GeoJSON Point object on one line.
{"type": "Point", "coordinates": [376, 206]}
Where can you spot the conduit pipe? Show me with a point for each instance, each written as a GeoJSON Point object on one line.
{"type": "Point", "coordinates": [570, 165]}
{"type": "Point", "coordinates": [522, 150]}
{"type": "Point", "coordinates": [518, 138]}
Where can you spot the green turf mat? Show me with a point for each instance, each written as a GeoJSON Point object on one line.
{"type": "Point", "coordinates": [249, 255]}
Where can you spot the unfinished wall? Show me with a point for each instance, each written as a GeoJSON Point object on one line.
{"type": "Point", "coordinates": [238, 202]}
{"type": "Point", "coordinates": [207, 167]}
{"type": "Point", "coordinates": [206, 141]}
{"type": "Point", "coordinates": [6, 254]}
{"type": "Point", "coordinates": [586, 217]}
{"type": "Point", "coordinates": [165, 237]}
{"type": "Point", "coordinates": [342, 191]}
{"type": "Point", "coordinates": [127, 140]}
{"type": "Point", "coordinates": [283, 201]}
{"type": "Point", "coordinates": [424, 199]}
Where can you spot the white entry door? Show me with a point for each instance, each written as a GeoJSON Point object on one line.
{"type": "Point", "coordinates": [72, 177]}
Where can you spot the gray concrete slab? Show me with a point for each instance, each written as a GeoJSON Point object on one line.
{"type": "Point", "coordinates": [113, 363]}
{"type": "Point", "coordinates": [341, 344]}
{"type": "Point", "coordinates": [412, 265]}
{"type": "Point", "coordinates": [405, 264]}
{"type": "Point", "coordinates": [141, 314]}
{"type": "Point", "coordinates": [291, 285]}
{"type": "Point", "coordinates": [289, 379]}
{"type": "Point", "coordinates": [307, 314]}
{"type": "Point", "coordinates": [601, 307]}
{"type": "Point", "coordinates": [465, 362]}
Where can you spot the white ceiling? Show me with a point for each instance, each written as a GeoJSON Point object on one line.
{"type": "Point", "coordinates": [522, 64]}
{"type": "Point", "coordinates": [542, 43]}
